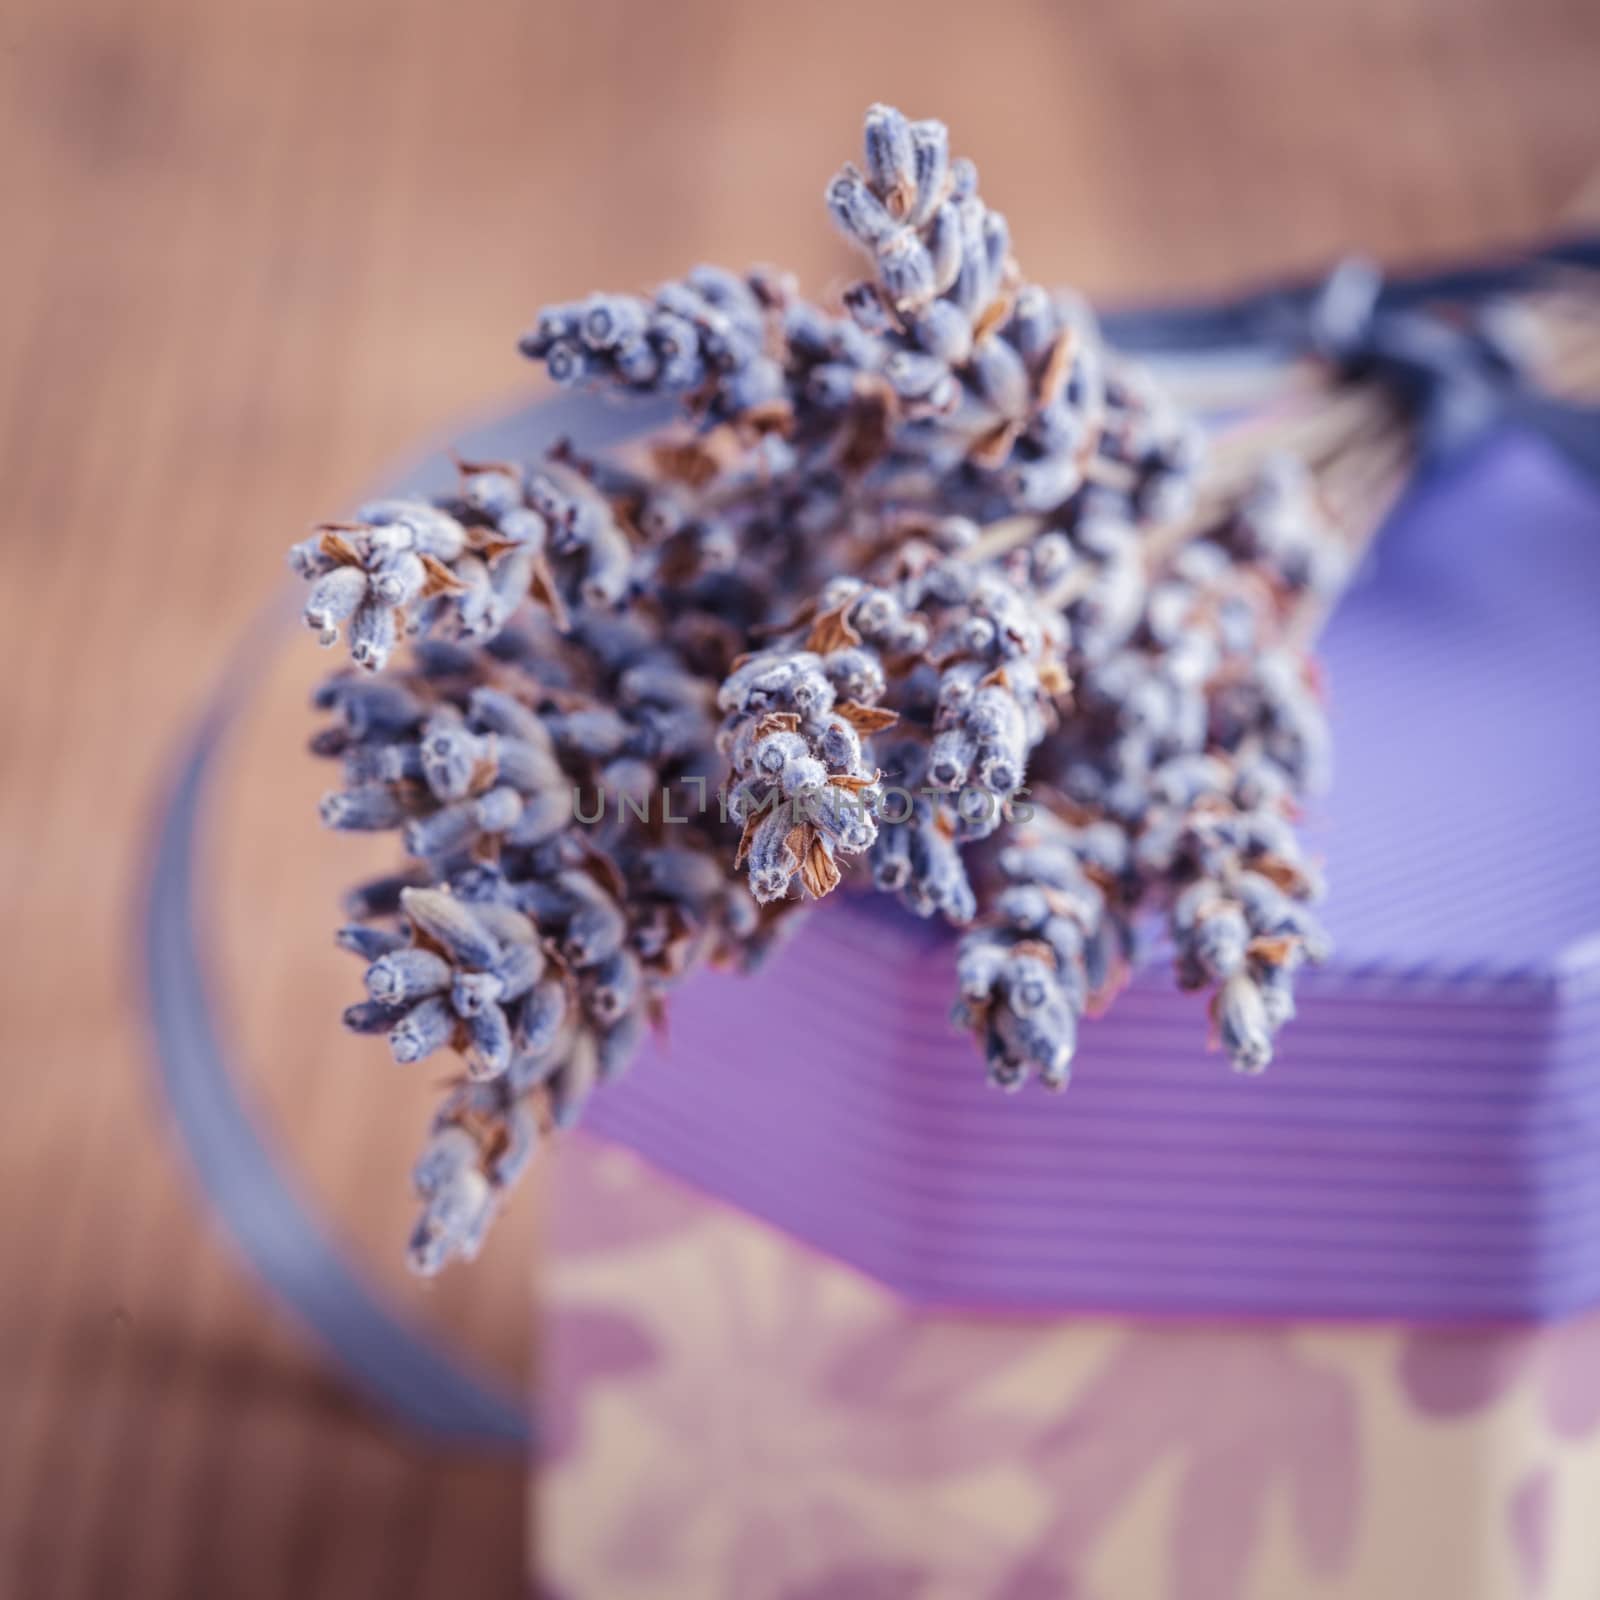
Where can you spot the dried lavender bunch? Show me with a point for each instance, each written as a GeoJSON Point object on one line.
{"type": "Point", "coordinates": [926, 588]}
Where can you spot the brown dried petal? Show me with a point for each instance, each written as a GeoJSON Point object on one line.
{"type": "Point", "coordinates": [868, 424]}
{"type": "Point", "coordinates": [994, 315]}
{"type": "Point", "coordinates": [1273, 951]}
{"type": "Point", "coordinates": [1057, 367]}
{"type": "Point", "coordinates": [1037, 949]}
{"type": "Point", "coordinates": [695, 462]}
{"type": "Point", "coordinates": [441, 580]}
{"type": "Point", "coordinates": [487, 769]}
{"type": "Point", "coordinates": [1054, 678]}
{"type": "Point", "coordinates": [831, 631]}
{"type": "Point", "coordinates": [604, 870]}
{"type": "Point", "coordinates": [773, 630]}
{"type": "Point", "coordinates": [1285, 874]}
{"type": "Point", "coordinates": [866, 719]}
{"type": "Point", "coordinates": [990, 449]}
{"type": "Point", "coordinates": [820, 872]}
{"type": "Point", "coordinates": [854, 783]}
{"type": "Point", "coordinates": [470, 469]}
{"type": "Point", "coordinates": [543, 588]}
{"type": "Point", "coordinates": [426, 941]}
{"type": "Point", "coordinates": [655, 1010]}
{"type": "Point", "coordinates": [771, 416]}
{"type": "Point", "coordinates": [751, 823]}
{"type": "Point", "coordinates": [335, 546]}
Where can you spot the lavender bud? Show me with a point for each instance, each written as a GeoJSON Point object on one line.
{"type": "Point", "coordinates": [572, 1085]}
{"type": "Point", "coordinates": [488, 1046]}
{"type": "Point", "coordinates": [905, 269]}
{"type": "Point", "coordinates": [555, 322]}
{"type": "Point", "coordinates": [1029, 984]}
{"type": "Point", "coordinates": [613, 988]}
{"type": "Point", "coordinates": [452, 1222]}
{"type": "Point", "coordinates": [372, 634]}
{"type": "Point", "coordinates": [399, 579]}
{"type": "Point", "coordinates": [369, 943]}
{"type": "Point", "coordinates": [452, 925]}
{"type": "Point", "coordinates": [1276, 984]}
{"type": "Point", "coordinates": [1001, 378]}
{"type": "Point", "coordinates": [979, 964]}
{"type": "Point", "coordinates": [367, 1016]}
{"type": "Point", "coordinates": [858, 211]}
{"type": "Point", "coordinates": [521, 1144]}
{"type": "Point", "coordinates": [472, 991]}
{"type": "Point", "coordinates": [930, 167]}
{"type": "Point", "coordinates": [333, 599]}
{"type": "Point", "coordinates": [772, 863]}
{"type": "Point", "coordinates": [636, 362]}
{"type": "Point", "coordinates": [612, 319]}
{"type": "Point", "coordinates": [492, 492]}
{"type": "Point", "coordinates": [425, 1028]}
{"type": "Point", "coordinates": [518, 970]}
{"type": "Point", "coordinates": [890, 157]}
{"type": "Point", "coordinates": [942, 330]}
{"type": "Point", "coordinates": [840, 745]}
{"type": "Point", "coordinates": [449, 1152]}
{"type": "Point", "coordinates": [891, 858]}
{"type": "Point", "coordinates": [950, 758]}
{"type": "Point", "coordinates": [1219, 942]}
{"type": "Point", "coordinates": [500, 712]}
{"type": "Point", "coordinates": [1243, 1025]}
{"type": "Point", "coordinates": [365, 810]}
{"type": "Point", "coordinates": [568, 363]}
{"type": "Point", "coordinates": [943, 241]}
{"type": "Point", "coordinates": [596, 927]}
{"type": "Point", "coordinates": [1045, 484]}
{"type": "Point", "coordinates": [308, 559]}
{"type": "Point", "coordinates": [450, 757]}
{"type": "Point", "coordinates": [449, 829]}
{"type": "Point", "coordinates": [541, 1019]}
{"type": "Point", "coordinates": [619, 1045]}
{"type": "Point", "coordinates": [919, 377]}
{"type": "Point", "coordinates": [406, 975]}
{"type": "Point", "coordinates": [677, 348]}
{"type": "Point", "coordinates": [996, 245]}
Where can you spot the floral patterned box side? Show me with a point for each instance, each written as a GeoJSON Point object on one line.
{"type": "Point", "coordinates": [862, 1330]}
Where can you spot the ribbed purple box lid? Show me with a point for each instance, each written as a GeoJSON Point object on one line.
{"type": "Point", "coordinates": [1461, 834]}
{"type": "Point", "coordinates": [1427, 1145]}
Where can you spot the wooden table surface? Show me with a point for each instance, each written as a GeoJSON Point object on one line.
{"type": "Point", "coordinates": [251, 253]}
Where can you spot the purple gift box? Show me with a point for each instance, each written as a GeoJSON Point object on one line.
{"type": "Point", "coordinates": [782, 1355]}
{"type": "Point", "coordinates": [1426, 1145]}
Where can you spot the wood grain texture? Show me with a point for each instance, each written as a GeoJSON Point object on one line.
{"type": "Point", "coordinates": [252, 253]}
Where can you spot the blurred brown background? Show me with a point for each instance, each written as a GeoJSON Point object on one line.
{"type": "Point", "coordinates": [252, 253]}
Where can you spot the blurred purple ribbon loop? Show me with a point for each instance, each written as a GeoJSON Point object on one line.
{"type": "Point", "coordinates": [1433, 338]}
{"type": "Point", "coordinates": [1456, 378]}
